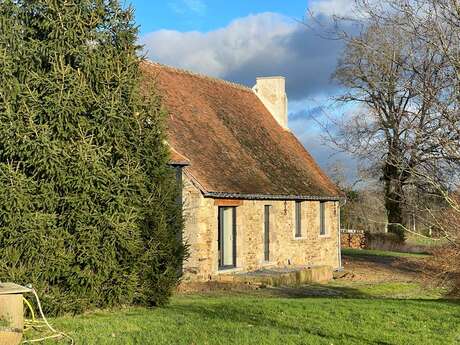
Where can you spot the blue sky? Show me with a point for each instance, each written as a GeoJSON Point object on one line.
{"type": "Point", "coordinates": [191, 15]}
{"type": "Point", "coordinates": [240, 40]}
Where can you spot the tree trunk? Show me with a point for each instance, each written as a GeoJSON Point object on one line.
{"type": "Point", "coordinates": [394, 199]}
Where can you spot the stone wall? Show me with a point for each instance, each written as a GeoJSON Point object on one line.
{"type": "Point", "coordinates": [201, 234]}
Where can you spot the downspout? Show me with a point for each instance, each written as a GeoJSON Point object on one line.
{"type": "Point", "coordinates": [339, 242]}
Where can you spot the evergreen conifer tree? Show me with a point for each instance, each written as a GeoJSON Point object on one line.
{"type": "Point", "coordinates": [88, 210]}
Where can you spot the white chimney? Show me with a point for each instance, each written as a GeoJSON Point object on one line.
{"type": "Point", "coordinates": [272, 92]}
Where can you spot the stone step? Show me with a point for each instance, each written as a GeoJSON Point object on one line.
{"type": "Point", "coordinates": [278, 277]}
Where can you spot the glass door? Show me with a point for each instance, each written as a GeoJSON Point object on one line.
{"type": "Point", "coordinates": [227, 237]}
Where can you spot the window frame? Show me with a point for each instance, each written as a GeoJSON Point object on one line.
{"type": "Point", "coordinates": [322, 219]}
{"type": "Point", "coordinates": [298, 233]}
{"type": "Point", "coordinates": [267, 226]}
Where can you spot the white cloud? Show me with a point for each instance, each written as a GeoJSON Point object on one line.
{"type": "Point", "coordinates": [257, 45]}
{"type": "Point", "coordinates": [220, 51]}
{"type": "Point", "coordinates": [332, 7]}
{"type": "Point", "coordinates": [262, 45]}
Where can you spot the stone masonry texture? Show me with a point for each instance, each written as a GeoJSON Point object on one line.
{"type": "Point", "coordinates": [201, 234]}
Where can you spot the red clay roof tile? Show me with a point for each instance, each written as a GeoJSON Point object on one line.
{"type": "Point", "coordinates": [177, 158]}
{"type": "Point", "coordinates": [232, 142]}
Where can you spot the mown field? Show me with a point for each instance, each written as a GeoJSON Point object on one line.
{"type": "Point", "coordinates": [345, 311]}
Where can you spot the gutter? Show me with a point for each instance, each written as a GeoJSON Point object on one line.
{"type": "Point", "coordinates": [339, 239]}
{"type": "Point", "coordinates": [178, 163]}
{"type": "Point", "coordinates": [223, 195]}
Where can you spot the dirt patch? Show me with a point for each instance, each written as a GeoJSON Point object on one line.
{"type": "Point", "coordinates": [210, 286]}
{"type": "Point", "coordinates": [376, 269]}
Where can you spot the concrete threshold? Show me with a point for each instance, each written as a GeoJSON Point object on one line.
{"type": "Point", "coordinates": [280, 276]}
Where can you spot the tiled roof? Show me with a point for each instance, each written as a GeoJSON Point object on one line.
{"type": "Point", "coordinates": [177, 158]}
{"type": "Point", "coordinates": [233, 144]}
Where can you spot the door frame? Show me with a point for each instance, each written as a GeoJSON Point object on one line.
{"type": "Point", "coordinates": [220, 244]}
{"type": "Point", "coordinates": [267, 227]}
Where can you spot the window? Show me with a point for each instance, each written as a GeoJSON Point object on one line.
{"type": "Point", "coordinates": [322, 218]}
{"type": "Point", "coordinates": [227, 237]}
{"type": "Point", "coordinates": [267, 233]}
{"type": "Point", "coordinates": [298, 219]}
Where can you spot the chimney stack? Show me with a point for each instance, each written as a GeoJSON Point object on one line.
{"type": "Point", "coordinates": [272, 92]}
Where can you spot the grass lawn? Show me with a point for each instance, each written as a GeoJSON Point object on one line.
{"type": "Point", "coordinates": [424, 241]}
{"type": "Point", "coordinates": [373, 252]}
{"type": "Point", "coordinates": [275, 317]}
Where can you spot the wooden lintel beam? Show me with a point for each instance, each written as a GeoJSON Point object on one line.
{"type": "Point", "coordinates": [228, 202]}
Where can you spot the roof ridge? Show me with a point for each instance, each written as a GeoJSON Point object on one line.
{"type": "Point", "coordinates": [200, 75]}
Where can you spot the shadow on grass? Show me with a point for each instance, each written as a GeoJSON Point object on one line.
{"type": "Point", "coordinates": [316, 290]}
{"type": "Point", "coordinates": [224, 313]}
{"type": "Point", "coordinates": [385, 291]}
{"type": "Point", "coordinates": [344, 292]}
{"type": "Point", "coordinates": [243, 316]}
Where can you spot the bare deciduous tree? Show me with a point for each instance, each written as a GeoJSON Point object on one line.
{"type": "Point", "coordinates": [397, 85]}
{"type": "Point", "coordinates": [403, 71]}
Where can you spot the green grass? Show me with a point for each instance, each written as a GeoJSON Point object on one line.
{"type": "Point", "coordinates": [381, 253]}
{"type": "Point", "coordinates": [389, 290]}
{"type": "Point", "coordinates": [425, 241]}
{"type": "Point", "coordinates": [263, 317]}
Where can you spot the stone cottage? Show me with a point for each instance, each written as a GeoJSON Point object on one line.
{"type": "Point", "coordinates": [253, 197]}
